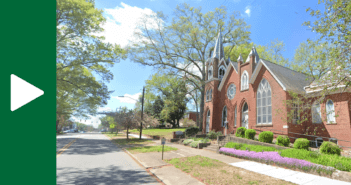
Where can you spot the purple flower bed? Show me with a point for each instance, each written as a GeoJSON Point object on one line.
{"type": "Point", "coordinates": [268, 157]}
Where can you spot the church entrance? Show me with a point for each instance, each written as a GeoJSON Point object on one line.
{"type": "Point", "coordinates": [245, 116]}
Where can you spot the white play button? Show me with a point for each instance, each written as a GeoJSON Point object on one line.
{"type": "Point", "coordinates": [22, 92]}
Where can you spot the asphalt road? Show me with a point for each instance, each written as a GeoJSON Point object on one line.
{"type": "Point", "coordinates": [91, 158]}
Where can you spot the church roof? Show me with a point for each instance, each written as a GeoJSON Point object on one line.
{"type": "Point", "coordinates": [287, 78]}
{"type": "Point", "coordinates": [253, 52]}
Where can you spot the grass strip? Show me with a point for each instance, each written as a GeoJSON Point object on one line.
{"type": "Point", "coordinates": [131, 141]}
{"type": "Point", "coordinates": [146, 149]}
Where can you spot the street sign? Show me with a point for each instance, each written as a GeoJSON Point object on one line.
{"type": "Point", "coordinates": [163, 141]}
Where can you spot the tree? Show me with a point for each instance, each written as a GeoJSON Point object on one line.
{"type": "Point", "coordinates": [80, 53]}
{"type": "Point", "coordinates": [125, 118]}
{"type": "Point", "coordinates": [173, 92]}
{"type": "Point", "coordinates": [187, 40]}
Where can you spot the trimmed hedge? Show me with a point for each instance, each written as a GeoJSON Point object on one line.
{"type": "Point", "coordinates": [213, 135]}
{"type": "Point", "coordinates": [192, 131]}
{"type": "Point", "coordinates": [283, 140]}
{"type": "Point", "coordinates": [250, 134]}
{"type": "Point", "coordinates": [302, 143]}
{"type": "Point", "coordinates": [256, 148]}
{"type": "Point", "coordinates": [266, 136]}
{"type": "Point", "coordinates": [240, 132]}
{"type": "Point", "coordinates": [330, 148]}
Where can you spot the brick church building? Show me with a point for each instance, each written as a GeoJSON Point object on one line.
{"type": "Point", "coordinates": [247, 93]}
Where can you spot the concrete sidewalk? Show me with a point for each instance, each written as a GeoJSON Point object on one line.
{"type": "Point", "coordinates": [272, 171]}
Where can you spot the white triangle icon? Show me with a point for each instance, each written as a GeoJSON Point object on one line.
{"type": "Point", "coordinates": [22, 92]}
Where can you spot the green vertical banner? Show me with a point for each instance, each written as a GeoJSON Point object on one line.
{"type": "Point", "coordinates": [28, 92]}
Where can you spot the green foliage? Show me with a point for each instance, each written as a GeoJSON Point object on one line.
{"type": "Point", "coordinates": [283, 140]}
{"type": "Point", "coordinates": [302, 143]}
{"type": "Point", "coordinates": [266, 136]}
{"type": "Point", "coordinates": [205, 140]}
{"type": "Point", "coordinates": [330, 148]}
{"type": "Point", "coordinates": [191, 131]}
{"type": "Point", "coordinates": [194, 144]}
{"type": "Point", "coordinates": [187, 141]}
{"type": "Point", "coordinates": [256, 148]}
{"type": "Point", "coordinates": [79, 55]}
{"type": "Point", "coordinates": [338, 162]}
{"type": "Point", "coordinates": [213, 135]}
{"type": "Point", "coordinates": [250, 134]}
{"type": "Point", "coordinates": [240, 132]}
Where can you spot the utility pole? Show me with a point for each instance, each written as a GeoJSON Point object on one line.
{"type": "Point", "coordinates": [142, 112]}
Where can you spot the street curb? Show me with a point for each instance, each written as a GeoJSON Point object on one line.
{"type": "Point", "coordinates": [146, 169]}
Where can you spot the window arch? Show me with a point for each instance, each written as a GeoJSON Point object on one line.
{"type": "Point", "coordinates": [316, 113]}
{"type": "Point", "coordinates": [221, 72]}
{"type": "Point", "coordinates": [224, 115]}
{"type": "Point", "coordinates": [264, 103]}
{"type": "Point", "coordinates": [244, 81]}
{"type": "Point", "coordinates": [330, 111]}
{"type": "Point", "coordinates": [210, 73]}
{"type": "Point", "coordinates": [231, 91]}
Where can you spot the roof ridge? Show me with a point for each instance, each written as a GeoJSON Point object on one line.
{"type": "Point", "coordinates": [286, 67]}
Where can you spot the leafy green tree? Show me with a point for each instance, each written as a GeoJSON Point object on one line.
{"type": "Point", "coordinates": [185, 43]}
{"type": "Point", "coordinates": [80, 53]}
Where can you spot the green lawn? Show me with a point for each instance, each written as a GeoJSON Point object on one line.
{"type": "Point", "coordinates": [145, 149]}
{"type": "Point", "coordinates": [112, 135]}
{"type": "Point", "coordinates": [158, 132]}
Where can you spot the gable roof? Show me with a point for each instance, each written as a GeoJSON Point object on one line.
{"type": "Point", "coordinates": [287, 78]}
{"type": "Point", "coordinates": [226, 74]}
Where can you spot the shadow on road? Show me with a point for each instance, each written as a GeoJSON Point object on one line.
{"type": "Point", "coordinates": [108, 175]}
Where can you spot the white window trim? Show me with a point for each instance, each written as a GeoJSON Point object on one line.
{"type": "Point", "coordinates": [261, 106]}
{"type": "Point", "coordinates": [245, 84]}
{"type": "Point", "coordinates": [220, 76]}
{"type": "Point", "coordinates": [210, 96]}
{"type": "Point", "coordinates": [333, 139]}
{"type": "Point", "coordinates": [329, 112]}
{"type": "Point", "coordinates": [235, 116]}
{"type": "Point", "coordinates": [320, 114]}
{"type": "Point", "coordinates": [210, 75]}
{"type": "Point", "coordinates": [224, 108]}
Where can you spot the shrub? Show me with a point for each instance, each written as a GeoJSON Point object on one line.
{"type": "Point", "coordinates": [329, 148]}
{"type": "Point", "coordinates": [213, 135]}
{"type": "Point", "coordinates": [240, 132]}
{"type": "Point", "coordinates": [194, 144]}
{"type": "Point", "coordinates": [301, 143]}
{"type": "Point", "coordinates": [266, 136]}
{"type": "Point", "coordinates": [192, 131]}
{"type": "Point", "coordinates": [283, 140]}
{"type": "Point", "coordinates": [188, 122]}
{"type": "Point", "coordinates": [206, 140]}
{"type": "Point", "coordinates": [250, 134]}
{"type": "Point", "coordinates": [187, 141]}
{"type": "Point", "coordinates": [256, 148]}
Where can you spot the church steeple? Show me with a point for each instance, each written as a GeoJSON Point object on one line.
{"type": "Point", "coordinates": [218, 51]}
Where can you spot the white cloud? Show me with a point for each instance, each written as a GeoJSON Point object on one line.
{"type": "Point", "coordinates": [130, 100]}
{"type": "Point", "coordinates": [121, 23]}
{"type": "Point", "coordinates": [248, 10]}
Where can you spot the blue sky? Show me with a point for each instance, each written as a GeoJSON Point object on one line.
{"type": "Point", "coordinates": [269, 20]}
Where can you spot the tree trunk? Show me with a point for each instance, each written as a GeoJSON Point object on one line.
{"type": "Point", "coordinates": [57, 123]}
{"type": "Point", "coordinates": [202, 104]}
{"type": "Point", "coordinates": [178, 122]}
{"type": "Point", "coordinates": [127, 133]}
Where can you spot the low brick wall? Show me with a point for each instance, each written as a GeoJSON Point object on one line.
{"type": "Point", "coordinates": [253, 142]}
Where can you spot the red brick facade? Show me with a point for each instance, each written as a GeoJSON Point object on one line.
{"type": "Point", "coordinates": [342, 103]}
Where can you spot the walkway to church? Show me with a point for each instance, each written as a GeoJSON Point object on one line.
{"type": "Point", "coordinates": [153, 160]}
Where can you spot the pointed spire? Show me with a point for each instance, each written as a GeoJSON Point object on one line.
{"type": "Point", "coordinates": [218, 51]}
{"type": "Point", "coordinates": [253, 52]}
{"type": "Point", "coordinates": [240, 58]}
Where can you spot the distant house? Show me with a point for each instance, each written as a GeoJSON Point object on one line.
{"type": "Point", "coordinates": [191, 115]}
{"type": "Point", "coordinates": [248, 92]}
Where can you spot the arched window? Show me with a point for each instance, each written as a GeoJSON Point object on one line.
{"type": "Point", "coordinates": [264, 103]}
{"type": "Point", "coordinates": [244, 80]}
{"type": "Point", "coordinates": [210, 73]}
{"type": "Point", "coordinates": [208, 121]}
{"type": "Point", "coordinates": [231, 91]}
{"type": "Point", "coordinates": [245, 116]}
{"type": "Point", "coordinates": [210, 98]}
{"type": "Point", "coordinates": [207, 95]}
{"type": "Point", "coordinates": [221, 72]}
{"type": "Point", "coordinates": [224, 116]}
{"type": "Point", "coordinates": [316, 113]}
{"type": "Point", "coordinates": [235, 116]}
{"type": "Point", "coordinates": [330, 111]}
